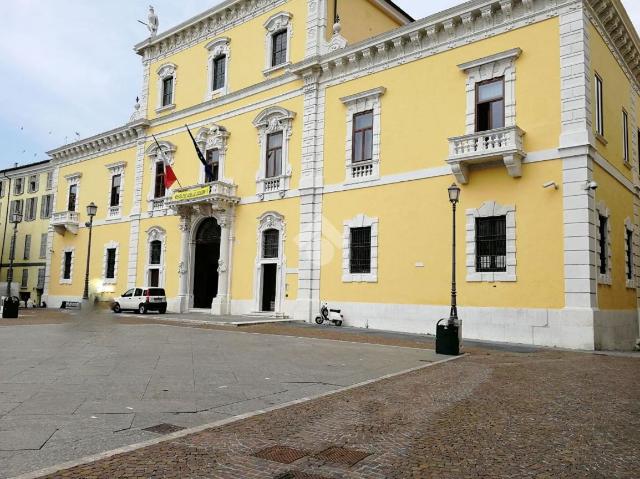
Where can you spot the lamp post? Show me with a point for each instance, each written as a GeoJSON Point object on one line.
{"type": "Point", "coordinates": [92, 209]}
{"type": "Point", "coordinates": [454, 197]}
{"type": "Point", "coordinates": [16, 218]}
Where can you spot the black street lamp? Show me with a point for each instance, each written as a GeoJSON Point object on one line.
{"type": "Point", "coordinates": [454, 197]}
{"type": "Point", "coordinates": [92, 209]}
{"type": "Point", "coordinates": [16, 218]}
{"type": "Point", "coordinates": [448, 335]}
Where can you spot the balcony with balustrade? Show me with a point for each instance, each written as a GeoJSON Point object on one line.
{"type": "Point", "coordinates": [504, 145]}
{"type": "Point", "coordinates": [218, 195]}
{"type": "Point", "coordinates": [63, 221]}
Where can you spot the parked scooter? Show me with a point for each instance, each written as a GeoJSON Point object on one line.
{"type": "Point", "coordinates": [332, 315]}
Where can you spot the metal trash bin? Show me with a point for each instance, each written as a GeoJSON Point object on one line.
{"type": "Point", "coordinates": [448, 337]}
{"type": "Point", "coordinates": [10, 306]}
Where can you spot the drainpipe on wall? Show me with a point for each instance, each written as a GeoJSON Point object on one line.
{"type": "Point", "coordinates": [6, 218]}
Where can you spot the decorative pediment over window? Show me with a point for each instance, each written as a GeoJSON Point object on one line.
{"type": "Point", "coordinates": [277, 22]}
{"type": "Point", "coordinates": [219, 46]}
{"type": "Point", "coordinates": [214, 136]}
{"type": "Point", "coordinates": [166, 70]}
{"type": "Point", "coordinates": [273, 119]}
{"type": "Point", "coordinates": [168, 149]}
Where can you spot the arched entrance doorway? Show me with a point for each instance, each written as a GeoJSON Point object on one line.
{"type": "Point", "coordinates": [207, 254]}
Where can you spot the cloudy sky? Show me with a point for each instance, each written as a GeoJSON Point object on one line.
{"type": "Point", "coordinates": [68, 67]}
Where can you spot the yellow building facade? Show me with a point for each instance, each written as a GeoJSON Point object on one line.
{"type": "Point", "coordinates": [330, 145]}
{"type": "Point", "coordinates": [27, 190]}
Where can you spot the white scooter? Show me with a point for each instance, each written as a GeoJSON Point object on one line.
{"type": "Point", "coordinates": [332, 315]}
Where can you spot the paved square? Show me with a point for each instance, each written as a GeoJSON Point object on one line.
{"type": "Point", "coordinates": [93, 384]}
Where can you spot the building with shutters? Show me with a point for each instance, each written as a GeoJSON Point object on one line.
{"type": "Point", "coordinates": [331, 137]}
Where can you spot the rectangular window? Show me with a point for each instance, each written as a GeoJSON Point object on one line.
{"type": "Point", "coordinates": [599, 107]}
{"type": "Point", "coordinates": [362, 136]}
{"type": "Point", "coordinates": [219, 72]}
{"type": "Point", "coordinates": [16, 206]}
{"type": "Point", "coordinates": [360, 250]}
{"type": "Point", "coordinates": [43, 245]}
{"type": "Point", "coordinates": [18, 186]}
{"type": "Point", "coordinates": [73, 195]}
{"type": "Point", "coordinates": [629, 258]}
{"type": "Point", "coordinates": [274, 155]}
{"type": "Point", "coordinates": [167, 91]}
{"type": "Point", "coordinates": [66, 272]}
{"type": "Point", "coordinates": [625, 136]}
{"type": "Point", "coordinates": [213, 160]}
{"type": "Point", "coordinates": [603, 230]}
{"type": "Point", "coordinates": [115, 190]}
{"type": "Point", "coordinates": [270, 246]}
{"type": "Point", "coordinates": [33, 184]}
{"type": "Point", "coordinates": [49, 180]}
{"type": "Point", "coordinates": [40, 284]}
{"type": "Point", "coordinates": [27, 247]}
{"type": "Point", "coordinates": [279, 48]}
{"type": "Point", "coordinates": [490, 104]}
{"type": "Point", "coordinates": [155, 252]}
{"type": "Point", "coordinates": [32, 207]}
{"type": "Point", "coordinates": [110, 270]}
{"type": "Point", "coordinates": [491, 244]}
{"type": "Point", "coordinates": [46, 205]}
{"type": "Point", "coordinates": [25, 278]}
{"type": "Point", "coordinates": [2, 188]}
{"type": "Point", "coordinates": [160, 189]}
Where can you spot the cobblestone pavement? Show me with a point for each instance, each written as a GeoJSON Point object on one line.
{"type": "Point", "coordinates": [543, 414]}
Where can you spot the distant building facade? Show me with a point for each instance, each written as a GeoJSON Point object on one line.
{"type": "Point", "coordinates": [330, 148]}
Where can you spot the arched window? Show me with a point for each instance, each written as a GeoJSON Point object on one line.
{"type": "Point", "coordinates": [270, 243]}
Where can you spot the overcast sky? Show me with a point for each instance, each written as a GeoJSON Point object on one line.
{"type": "Point", "coordinates": [67, 66]}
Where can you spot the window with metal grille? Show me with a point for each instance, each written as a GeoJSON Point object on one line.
{"type": "Point", "coordinates": [599, 107]}
{"type": "Point", "coordinates": [279, 48]}
{"type": "Point", "coordinates": [219, 72]}
{"type": "Point", "coordinates": [629, 240]}
{"type": "Point", "coordinates": [43, 245]}
{"type": "Point", "coordinates": [362, 136]}
{"type": "Point", "coordinates": [490, 104]}
{"type": "Point", "coordinates": [160, 189]}
{"type": "Point", "coordinates": [155, 252]}
{"type": "Point", "coordinates": [167, 91]}
{"type": "Point", "coordinates": [602, 229]}
{"type": "Point", "coordinates": [116, 180]}
{"type": "Point", "coordinates": [25, 278]}
{"type": "Point", "coordinates": [213, 160]}
{"type": "Point", "coordinates": [110, 270]}
{"type": "Point", "coordinates": [27, 247]}
{"type": "Point", "coordinates": [68, 257]}
{"type": "Point", "coordinates": [625, 136]}
{"type": "Point", "coordinates": [73, 194]}
{"type": "Point", "coordinates": [270, 243]}
{"type": "Point", "coordinates": [274, 155]}
{"type": "Point", "coordinates": [360, 250]}
{"type": "Point", "coordinates": [491, 244]}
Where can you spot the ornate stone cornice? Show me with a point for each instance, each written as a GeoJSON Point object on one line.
{"type": "Point", "coordinates": [208, 24]}
{"type": "Point", "coordinates": [101, 143]}
{"type": "Point", "coordinates": [618, 32]}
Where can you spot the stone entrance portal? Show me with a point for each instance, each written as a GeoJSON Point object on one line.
{"type": "Point", "coordinates": [205, 268]}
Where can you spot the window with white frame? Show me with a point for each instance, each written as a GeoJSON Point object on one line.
{"type": "Point", "coordinates": [32, 207]}
{"type": "Point", "coordinates": [27, 247]}
{"type": "Point", "coordinates": [66, 268]}
{"type": "Point", "coordinates": [17, 206]}
{"type": "Point", "coordinates": [274, 172]}
{"type": "Point", "coordinates": [158, 157]}
{"type": "Point", "coordinates": [629, 250]}
{"type": "Point", "coordinates": [212, 140]}
{"type": "Point", "coordinates": [626, 157]}
{"type": "Point", "coordinates": [73, 190]}
{"type": "Point", "coordinates": [49, 180]}
{"type": "Point", "coordinates": [43, 245]}
{"type": "Point", "coordinates": [116, 184]}
{"type": "Point", "coordinates": [218, 67]}
{"type": "Point", "coordinates": [33, 183]}
{"type": "Point", "coordinates": [25, 278]}
{"type": "Point", "coordinates": [603, 244]}
{"type": "Point", "coordinates": [18, 186]}
{"type": "Point", "coordinates": [491, 243]}
{"type": "Point", "coordinates": [363, 135]}
{"type": "Point", "coordinates": [156, 244]}
{"type": "Point", "coordinates": [46, 206]}
{"type": "Point", "coordinates": [360, 250]}
{"type": "Point", "coordinates": [166, 87]}
{"type": "Point", "coordinates": [278, 41]}
{"type": "Point", "coordinates": [110, 263]}
{"type": "Point", "coordinates": [599, 107]}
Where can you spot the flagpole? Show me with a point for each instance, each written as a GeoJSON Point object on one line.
{"type": "Point", "coordinates": [164, 158]}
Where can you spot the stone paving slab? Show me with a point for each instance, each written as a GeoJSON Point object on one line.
{"type": "Point", "coordinates": [98, 381]}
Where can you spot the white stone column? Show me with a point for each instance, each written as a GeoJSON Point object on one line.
{"type": "Point", "coordinates": [183, 267]}
{"type": "Point", "coordinates": [221, 303]}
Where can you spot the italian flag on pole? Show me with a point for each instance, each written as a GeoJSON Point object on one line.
{"type": "Point", "coordinates": [169, 176]}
